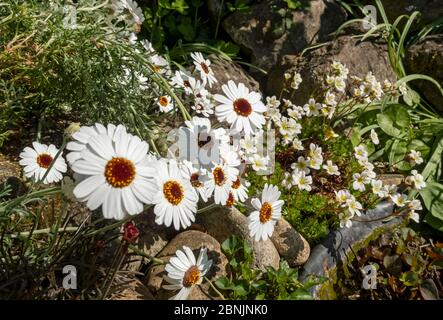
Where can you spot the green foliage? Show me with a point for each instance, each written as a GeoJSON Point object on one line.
{"type": "Point", "coordinates": [172, 23]}
{"type": "Point", "coordinates": [408, 267]}
{"type": "Point", "coordinates": [393, 120]}
{"type": "Point", "coordinates": [88, 73]}
{"type": "Point", "coordinates": [249, 283]}
{"type": "Point", "coordinates": [432, 197]}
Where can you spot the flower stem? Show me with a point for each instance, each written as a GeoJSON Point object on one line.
{"type": "Point", "coordinates": [215, 289]}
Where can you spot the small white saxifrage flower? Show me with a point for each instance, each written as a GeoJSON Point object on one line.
{"type": "Point", "coordinates": [268, 212]}
{"type": "Point", "coordinates": [416, 180]}
{"type": "Point", "coordinates": [175, 199]}
{"type": "Point", "coordinates": [415, 157]}
{"type": "Point", "coordinates": [114, 173]}
{"type": "Point", "coordinates": [36, 162]}
{"type": "Point", "coordinates": [185, 272]}
{"type": "Point", "coordinates": [301, 180]}
{"type": "Point", "coordinates": [331, 169]}
{"type": "Point", "coordinates": [242, 109]}
{"type": "Point", "coordinates": [374, 137]}
{"type": "Point", "coordinates": [203, 65]}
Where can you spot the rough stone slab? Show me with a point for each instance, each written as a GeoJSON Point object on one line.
{"type": "Point", "coordinates": [333, 252]}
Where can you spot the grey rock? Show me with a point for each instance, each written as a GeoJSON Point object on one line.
{"type": "Point", "coordinates": [359, 57]}
{"type": "Point", "coordinates": [290, 244]}
{"type": "Point", "coordinates": [426, 57]}
{"type": "Point", "coordinates": [133, 290]}
{"type": "Point", "coordinates": [223, 222]}
{"type": "Point", "coordinates": [334, 251]}
{"type": "Point", "coordinates": [268, 31]}
{"type": "Point", "coordinates": [392, 179]}
{"type": "Point", "coordinates": [152, 239]}
{"type": "Point", "coordinates": [10, 176]}
{"type": "Point", "coordinates": [195, 240]}
{"type": "Point", "coordinates": [225, 70]}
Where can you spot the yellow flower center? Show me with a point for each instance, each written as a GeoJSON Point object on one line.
{"type": "Point", "coordinates": [191, 277]}
{"type": "Point", "coordinates": [119, 172]}
{"type": "Point", "coordinates": [265, 212]}
{"type": "Point", "coordinates": [173, 192]}
{"type": "Point", "coordinates": [163, 101]}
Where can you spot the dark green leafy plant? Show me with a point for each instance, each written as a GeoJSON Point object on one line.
{"type": "Point", "coordinates": [247, 282]}
{"type": "Point", "coordinates": [408, 267]}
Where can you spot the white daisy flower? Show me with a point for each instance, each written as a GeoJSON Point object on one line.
{"type": "Point", "coordinates": [199, 141]}
{"type": "Point", "coordinates": [165, 103]}
{"type": "Point", "coordinates": [148, 46]}
{"type": "Point", "coordinates": [399, 199]}
{"type": "Point", "coordinates": [374, 137]}
{"type": "Point", "coordinates": [159, 64]}
{"type": "Point", "coordinates": [116, 174]}
{"type": "Point", "coordinates": [82, 136]}
{"type": "Point", "coordinates": [128, 11]}
{"type": "Point", "coordinates": [185, 272]}
{"type": "Point", "coordinates": [331, 169]}
{"type": "Point", "coordinates": [239, 191]}
{"type": "Point", "coordinates": [268, 212]}
{"type": "Point", "coordinates": [197, 176]}
{"type": "Point", "coordinates": [175, 199]}
{"type": "Point", "coordinates": [203, 65]}
{"type": "Point", "coordinates": [203, 106]}
{"type": "Point", "coordinates": [36, 162]}
{"type": "Point", "coordinates": [301, 180]}
{"type": "Point", "coordinates": [240, 108]}
{"type": "Point", "coordinates": [182, 80]}
{"type": "Point", "coordinates": [221, 178]}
